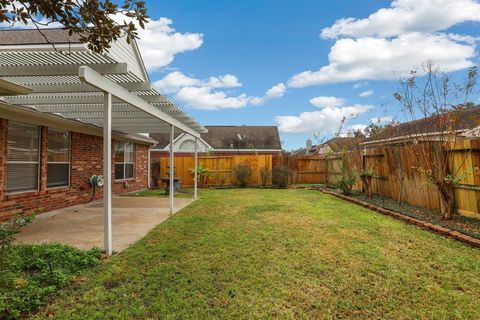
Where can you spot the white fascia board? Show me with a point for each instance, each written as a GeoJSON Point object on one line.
{"type": "Point", "coordinates": [139, 57]}
{"type": "Point", "coordinates": [95, 79]}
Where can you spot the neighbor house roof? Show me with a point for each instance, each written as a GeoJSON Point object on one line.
{"type": "Point", "coordinates": [338, 144]}
{"type": "Point", "coordinates": [461, 119]}
{"type": "Point", "coordinates": [234, 138]}
{"type": "Point", "coordinates": [163, 139]}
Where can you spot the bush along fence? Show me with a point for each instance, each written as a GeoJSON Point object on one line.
{"type": "Point", "coordinates": [394, 172]}
{"type": "Point", "coordinates": [390, 171]}
{"type": "Point", "coordinates": [217, 170]}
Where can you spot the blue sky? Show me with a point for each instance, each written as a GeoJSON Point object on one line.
{"type": "Point", "coordinates": [224, 56]}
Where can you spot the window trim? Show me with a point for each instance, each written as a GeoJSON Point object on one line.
{"type": "Point", "coordinates": [69, 161]}
{"type": "Point", "coordinates": [38, 162]}
{"type": "Point", "coordinates": [125, 162]}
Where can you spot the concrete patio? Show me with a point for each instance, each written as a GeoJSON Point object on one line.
{"type": "Point", "coordinates": [82, 226]}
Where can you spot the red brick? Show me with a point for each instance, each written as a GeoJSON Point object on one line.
{"type": "Point", "coordinates": [87, 160]}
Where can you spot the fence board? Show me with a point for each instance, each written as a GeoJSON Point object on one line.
{"type": "Point", "coordinates": [221, 168]}
{"type": "Point", "coordinates": [395, 173]}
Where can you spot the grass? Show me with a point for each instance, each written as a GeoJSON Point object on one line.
{"type": "Point", "coordinates": [460, 223]}
{"type": "Point", "coordinates": [31, 273]}
{"type": "Point", "coordinates": [282, 254]}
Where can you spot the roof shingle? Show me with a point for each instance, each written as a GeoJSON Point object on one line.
{"type": "Point", "coordinates": [33, 36]}
{"type": "Point", "coordinates": [234, 137]}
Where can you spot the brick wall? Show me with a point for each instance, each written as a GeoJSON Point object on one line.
{"type": "Point", "coordinates": [86, 160]}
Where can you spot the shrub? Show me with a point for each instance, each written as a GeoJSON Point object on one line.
{"type": "Point", "coordinates": [243, 173]}
{"type": "Point", "coordinates": [348, 178]}
{"type": "Point", "coordinates": [265, 174]}
{"type": "Point", "coordinates": [30, 273]}
{"type": "Point", "coordinates": [10, 228]}
{"type": "Point", "coordinates": [280, 176]}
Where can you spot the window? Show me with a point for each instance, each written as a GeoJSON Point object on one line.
{"type": "Point", "coordinates": [58, 158]}
{"type": "Point", "coordinates": [124, 160]}
{"type": "Point", "coordinates": [23, 157]}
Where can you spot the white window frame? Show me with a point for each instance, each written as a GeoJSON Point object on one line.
{"type": "Point", "coordinates": [69, 160]}
{"type": "Point", "coordinates": [125, 162]}
{"type": "Point", "coordinates": [38, 162]}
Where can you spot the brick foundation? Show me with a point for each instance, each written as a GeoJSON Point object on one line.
{"type": "Point", "coordinates": [86, 160]}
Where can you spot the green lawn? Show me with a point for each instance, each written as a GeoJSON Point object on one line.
{"type": "Point", "coordinates": [282, 254]}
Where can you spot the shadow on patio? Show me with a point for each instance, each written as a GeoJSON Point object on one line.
{"type": "Point", "coordinates": [82, 226]}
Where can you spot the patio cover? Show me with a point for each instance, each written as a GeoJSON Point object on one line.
{"type": "Point", "coordinates": [109, 90]}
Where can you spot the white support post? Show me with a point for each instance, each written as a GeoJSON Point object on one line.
{"type": "Point", "coordinates": [172, 171]}
{"type": "Point", "coordinates": [195, 178]}
{"type": "Point", "coordinates": [107, 172]}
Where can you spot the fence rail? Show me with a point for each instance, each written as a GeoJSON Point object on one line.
{"type": "Point", "coordinates": [220, 168]}
{"type": "Point", "coordinates": [395, 173]}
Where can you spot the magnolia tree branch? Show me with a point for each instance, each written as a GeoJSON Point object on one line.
{"type": "Point", "coordinates": [96, 22]}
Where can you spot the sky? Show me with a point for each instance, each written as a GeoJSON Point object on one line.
{"type": "Point", "coordinates": [302, 65]}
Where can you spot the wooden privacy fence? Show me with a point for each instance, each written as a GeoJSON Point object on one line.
{"type": "Point", "coordinates": [395, 173]}
{"type": "Point", "coordinates": [220, 168]}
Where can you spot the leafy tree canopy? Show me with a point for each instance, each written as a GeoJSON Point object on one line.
{"type": "Point", "coordinates": [96, 22]}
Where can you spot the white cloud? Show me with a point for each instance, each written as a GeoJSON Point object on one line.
{"type": "Point", "coordinates": [393, 41]}
{"type": "Point", "coordinates": [326, 120]}
{"type": "Point", "coordinates": [386, 59]}
{"type": "Point", "coordinates": [277, 91]}
{"type": "Point", "coordinates": [359, 85]}
{"type": "Point", "coordinates": [378, 120]}
{"type": "Point", "coordinates": [405, 16]}
{"type": "Point", "coordinates": [159, 42]}
{"type": "Point", "coordinates": [357, 127]}
{"type": "Point", "coordinates": [323, 102]}
{"type": "Point", "coordinates": [365, 94]}
{"type": "Point", "coordinates": [176, 80]}
{"type": "Point", "coordinates": [207, 99]}
{"type": "Point", "coordinates": [205, 93]}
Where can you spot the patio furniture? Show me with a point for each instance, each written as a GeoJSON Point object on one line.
{"type": "Point", "coordinates": [176, 184]}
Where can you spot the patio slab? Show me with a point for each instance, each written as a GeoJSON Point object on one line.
{"type": "Point", "coordinates": [82, 226]}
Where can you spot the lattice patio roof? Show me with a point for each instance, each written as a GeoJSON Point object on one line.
{"type": "Point", "coordinates": [71, 83]}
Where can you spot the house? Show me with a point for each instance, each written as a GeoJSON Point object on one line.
{"type": "Point", "coordinates": [339, 144]}
{"type": "Point", "coordinates": [223, 140]}
{"type": "Point", "coordinates": [67, 114]}
{"type": "Point", "coordinates": [463, 121]}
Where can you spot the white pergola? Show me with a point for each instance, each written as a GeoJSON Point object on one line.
{"type": "Point", "coordinates": [99, 90]}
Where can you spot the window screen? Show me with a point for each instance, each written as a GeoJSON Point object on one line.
{"type": "Point", "coordinates": [23, 157]}
{"type": "Point", "coordinates": [124, 160]}
{"type": "Point", "coordinates": [58, 158]}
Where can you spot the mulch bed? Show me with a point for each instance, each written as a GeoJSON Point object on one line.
{"type": "Point", "coordinates": [467, 225]}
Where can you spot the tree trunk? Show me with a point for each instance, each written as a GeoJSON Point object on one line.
{"type": "Point", "coordinates": [366, 181]}
{"type": "Point", "coordinates": [447, 201]}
